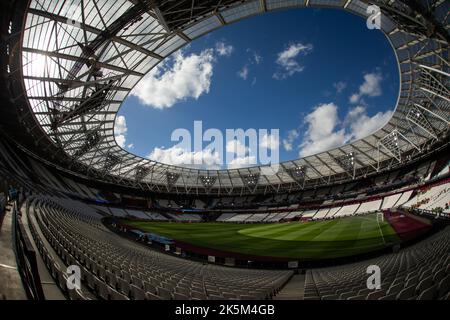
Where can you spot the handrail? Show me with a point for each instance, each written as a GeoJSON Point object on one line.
{"type": "Point", "coordinates": [26, 259]}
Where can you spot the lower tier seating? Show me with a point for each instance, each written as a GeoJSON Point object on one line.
{"type": "Point", "coordinates": [421, 271]}
{"type": "Point", "coordinates": [115, 268]}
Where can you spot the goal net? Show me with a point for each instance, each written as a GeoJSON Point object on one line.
{"type": "Point", "coordinates": [380, 217]}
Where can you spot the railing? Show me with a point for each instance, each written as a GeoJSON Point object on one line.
{"type": "Point", "coordinates": [428, 213]}
{"type": "Point", "coordinates": [2, 204]}
{"type": "Point", "coordinates": [26, 259]}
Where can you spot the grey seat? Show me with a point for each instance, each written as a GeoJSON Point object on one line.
{"type": "Point", "coordinates": [151, 296]}
{"type": "Point", "coordinates": [424, 284]}
{"type": "Point", "coordinates": [444, 286]}
{"type": "Point", "coordinates": [407, 293]}
{"type": "Point", "coordinates": [137, 282]}
{"type": "Point", "coordinates": [90, 281]}
{"type": "Point", "coordinates": [76, 294]}
{"type": "Point", "coordinates": [229, 295]}
{"type": "Point", "coordinates": [358, 297]}
{"type": "Point", "coordinates": [375, 295]}
{"type": "Point", "coordinates": [345, 295]}
{"type": "Point", "coordinates": [439, 275]}
{"type": "Point", "coordinates": [102, 289]}
{"type": "Point", "coordinates": [164, 293]}
{"type": "Point", "coordinates": [124, 287]}
{"type": "Point", "coordinates": [137, 293]}
{"type": "Point", "coordinates": [198, 295]}
{"type": "Point", "coordinates": [62, 281]}
{"type": "Point", "coordinates": [428, 294]}
{"type": "Point", "coordinates": [391, 296]}
{"type": "Point", "coordinates": [330, 297]}
{"type": "Point", "coordinates": [395, 289]}
{"type": "Point", "coordinates": [180, 296]}
{"type": "Point", "coordinates": [111, 279]}
{"type": "Point", "coordinates": [115, 295]}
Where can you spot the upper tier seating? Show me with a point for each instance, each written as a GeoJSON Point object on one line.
{"type": "Point", "coordinates": [275, 217]}
{"type": "Point", "coordinates": [347, 210]}
{"type": "Point", "coordinates": [185, 217]}
{"type": "Point", "coordinates": [225, 216]}
{"type": "Point", "coordinates": [390, 201]}
{"type": "Point", "coordinates": [239, 217]}
{"type": "Point", "coordinates": [432, 198]}
{"type": "Point", "coordinates": [257, 217]}
{"type": "Point", "coordinates": [370, 206]}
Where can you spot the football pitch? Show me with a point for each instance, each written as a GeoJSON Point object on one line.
{"type": "Point", "coordinates": [297, 240]}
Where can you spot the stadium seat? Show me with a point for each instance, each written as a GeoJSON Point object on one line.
{"type": "Point", "coordinates": [180, 296]}
{"type": "Point", "coordinates": [102, 289]}
{"type": "Point", "coordinates": [428, 294]}
{"type": "Point", "coordinates": [115, 295]}
{"type": "Point", "coordinates": [124, 287]}
{"type": "Point", "coordinates": [407, 293]}
{"type": "Point", "coordinates": [137, 293]}
{"type": "Point", "coordinates": [424, 284]}
{"type": "Point", "coordinates": [388, 297]}
{"type": "Point", "coordinates": [359, 297]}
{"type": "Point", "coordinates": [151, 296]}
{"type": "Point", "coordinates": [395, 289]}
{"type": "Point", "coordinates": [164, 293]}
{"type": "Point", "coordinates": [444, 286]}
{"type": "Point", "coordinates": [375, 295]}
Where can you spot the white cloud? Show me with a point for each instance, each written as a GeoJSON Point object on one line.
{"type": "Point", "coordinates": [355, 98]}
{"type": "Point", "coordinates": [236, 147]}
{"type": "Point", "coordinates": [371, 87]}
{"type": "Point", "coordinates": [188, 77]}
{"type": "Point", "coordinates": [241, 156]}
{"type": "Point", "coordinates": [289, 141]}
{"type": "Point", "coordinates": [242, 162]}
{"type": "Point", "coordinates": [121, 140]}
{"type": "Point", "coordinates": [256, 57]}
{"type": "Point", "coordinates": [120, 126]}
{"type": "Point", "coordinates": [362, 125]}
{"type": "Point", "coordinates": [130, 146]}
{"type": "Point", "coordinates": [325, 130]}
{"type": "Point", "coordinates": [270, 142]}
{"type": "Point", "coordinates": [243, 73]}
{"type": "Point", "coordinates": [321, 134]}
{"type": "Point", "coordinates": [120, 130]}
{"type": "Point", "coordinates": [340, 86]}
{"type": "Point", "coordinates": [287, 60]}
{"type": "Point", "coordinates": [224, 50]}
{"type": "Point", "coordinates": [205, 159]}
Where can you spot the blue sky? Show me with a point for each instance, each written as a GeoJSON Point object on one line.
{"type": "Point", "coordinates": [318, 75]}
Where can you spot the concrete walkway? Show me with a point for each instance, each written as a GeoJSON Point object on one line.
{"type": "Point", "coordinates": [49, 287]}
{"type": "Point", "coordinates": [293, 290]}
{"type": "Point", "coordinates": [11, 287]}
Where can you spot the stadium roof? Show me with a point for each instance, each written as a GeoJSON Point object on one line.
{"type": "Point", "coordinates": [80, 59]}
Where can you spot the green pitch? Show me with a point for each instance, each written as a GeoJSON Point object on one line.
{"type": "Point", "coordinates": [298, 240]}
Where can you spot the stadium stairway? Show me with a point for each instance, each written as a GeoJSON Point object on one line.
{"type": "Point", "coordinates": [11, 287]}
{"type": "Point", "coordinates": [293, 290]}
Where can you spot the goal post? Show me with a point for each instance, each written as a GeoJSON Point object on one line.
{"type": "Point", "coordinates": [380, 217]}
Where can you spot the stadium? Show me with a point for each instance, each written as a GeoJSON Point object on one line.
{"type": "Point", "coordinates": [82, 218]}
